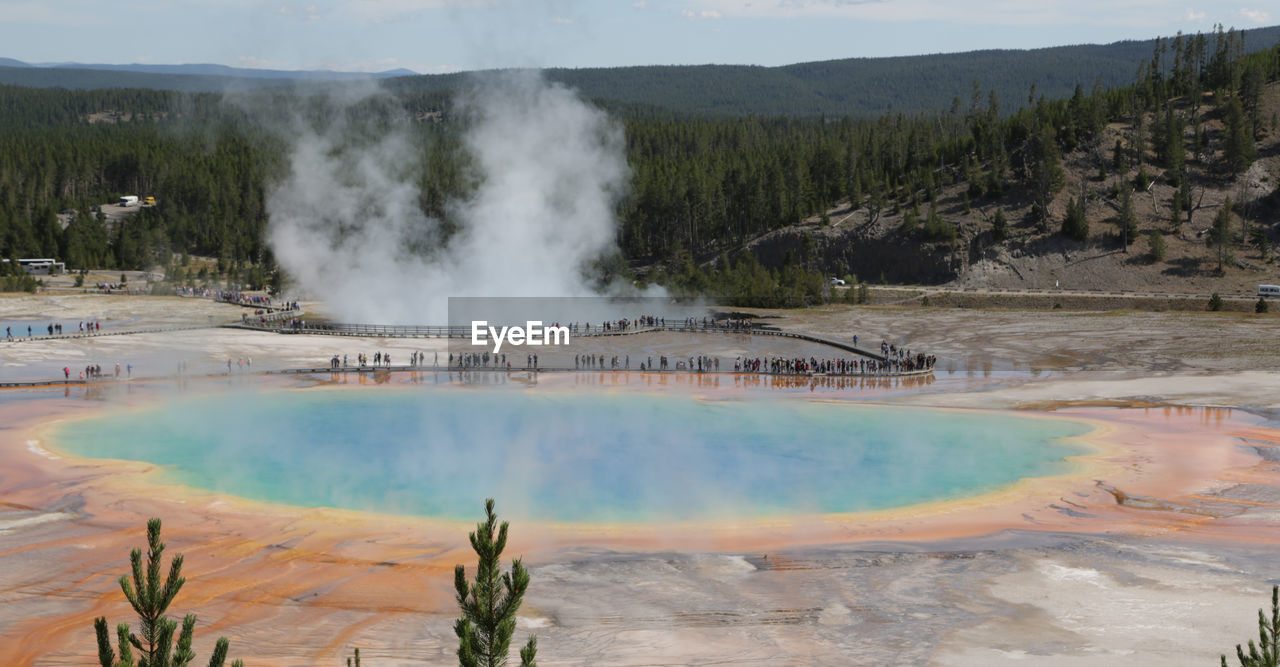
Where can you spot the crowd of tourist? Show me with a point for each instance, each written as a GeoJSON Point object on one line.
{"type": "Point", "coordinates": [53, 329]}
{"type": "Point", "coordinates": [581, 361]}
{"type": "Point", "coordinates": [898, 361]}
{"type": "Point", "coordinates": [94, 372]}
{"type": "Point", "coordinates": [383, 360]}
{"type": "Point", "coordinates": [483, 360]}
{"type": "Point", "coordinates": [656, 322]}
{"type": "Point", "coordinates": [241, 298]}
{"type": "Point", "coordinates": [891, 365]}
{"type": "Point", "coordinates": [202, 292]}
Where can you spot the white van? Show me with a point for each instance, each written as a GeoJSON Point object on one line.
{"type": "Point", "coordinates": [1269, 290]}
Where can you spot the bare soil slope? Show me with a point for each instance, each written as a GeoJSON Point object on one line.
{"type": "Point", "coordinates": [1037, 255]}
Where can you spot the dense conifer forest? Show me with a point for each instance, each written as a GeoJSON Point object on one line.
{"type": "Point", "coordinates": [859, 87]}
{"type": "Point", "coordinates": [702, 185]}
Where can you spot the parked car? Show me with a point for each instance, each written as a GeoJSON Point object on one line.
{"type": "Point", "coordinates": [837, 281]}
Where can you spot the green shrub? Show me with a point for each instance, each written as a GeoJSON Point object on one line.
{"type": "Point", "coordinates": [150, 597]}
{"type": "Point", "coordinates": [489, 602]}
{"type": "Point", "coordinates": [1155, 246]}
{"type": "Point", "coordinates": [1267, 652]}
{"type": "Point", "coordinates": [999, 226]}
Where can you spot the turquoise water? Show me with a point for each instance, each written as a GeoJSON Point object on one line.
{"type": "Point", "coordinates": [575, 456]}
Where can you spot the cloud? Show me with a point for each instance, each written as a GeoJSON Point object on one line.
{"type": "Point", "coordinates": [309, 12]}
{"type": "Point", "coordinates": [364, 65]}
{"type": "Point", "coordinates": [701, 15]}
{"type": "Point", "coordinates": [777, 8]}
{"type": "Point", "coordinates": [1140, 14]}
{"type": "Point", "coordinates": [561, 20]}
{"type": "Point", "coordinates": [640, 4]}
{"type": "Point", "coordinates": [40, 13]}
{"type": "Point", "coordinates": [254, 62]}
{"type": "Point", "coordinates": [436, 69]}
{"type": "Point", "coordinates": [387, 11]}
{"type": "Point", "coordinates": [1256, 15]}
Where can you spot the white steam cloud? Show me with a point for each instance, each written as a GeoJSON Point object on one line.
{"type": "Point", "coordinates": [346, 223]}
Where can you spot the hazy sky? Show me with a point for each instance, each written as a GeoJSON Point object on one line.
{"type": "Point", "coordinates": [446, 35]}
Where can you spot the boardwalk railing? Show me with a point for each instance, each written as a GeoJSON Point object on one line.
{"type": "Point", "coordinates": [411, 331]}
{"type": "Point", "coordinates": [270, 316]}
{"type": "Point", "coordinates": [120, 330]}
{"type": "Point", "coordinates": [282, 325]}
{"type": "Point", "coordinates": [430, 368]}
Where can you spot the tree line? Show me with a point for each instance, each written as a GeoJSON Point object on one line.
{"type": "Point", "coordinates": [701, 186]}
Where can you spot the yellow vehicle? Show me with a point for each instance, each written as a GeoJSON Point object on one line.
{"type": "Point", "coordinates": [149, 201]}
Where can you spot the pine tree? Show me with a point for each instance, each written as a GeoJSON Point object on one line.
{"type": "Point", "coordinates": [150, 598]}
{"type": "Point", "coordinates": [1262, 243]}
{"type": "Point", "coordinates": [1128, 220]}
{"type": "Point", "coordinates": [936, 229]}
{"type": "Point", "coordinates": [1238, 150]}
{"type": "Point", "coordinates": [910, 222]}
{"type": "Point", "coordinates": [1075, 225]}
{"type": "Point", "coordinates": [1220, 233]}
{"type": "Point", "coordinates": [1046, 170]}
{"type": "Point", "coordinates": [999, 226]}
{"type": "Point", "coordinates": [489, 603]}
{"type": "Point", "coordinates": [1155, 246]}
{"type": "Point", "coordinates": [1175, 213]}
{"type": "Point", "coordinates": [1267, 652]}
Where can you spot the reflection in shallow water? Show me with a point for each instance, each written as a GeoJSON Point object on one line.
{"type": "Point", "coordinates": [575, 455]}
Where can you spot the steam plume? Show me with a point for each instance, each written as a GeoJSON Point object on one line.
{"type": "Point", "coordinates": [346, 223]}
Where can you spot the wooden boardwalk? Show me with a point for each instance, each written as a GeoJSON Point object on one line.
{"type": "Point", "coordinates": [462, 332]}
{"type": "Point", "coordinates": [562, 369]}
{"type": "Point", "coordinates": [454, 332]}
{"type": "Point", "coordinates": [110, 331]}
{"type": "Point", "coordinates": [30, 384]}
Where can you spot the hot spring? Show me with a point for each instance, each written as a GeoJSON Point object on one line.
{"type": "Point", "coordinates": [574, 455]}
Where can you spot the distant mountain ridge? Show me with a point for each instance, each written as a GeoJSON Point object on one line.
{"type": "Point", "coordinates": [861, 87]}
{"type": "Point", "coordinates": [210, 69]}
{"type": "Point", "coordinates": [873, 86]}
